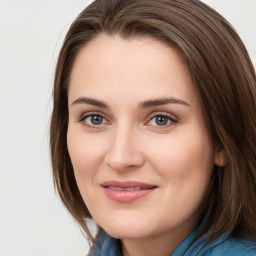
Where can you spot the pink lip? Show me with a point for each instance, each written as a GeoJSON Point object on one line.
{"type": "Point", "coordinates": [125, 192]}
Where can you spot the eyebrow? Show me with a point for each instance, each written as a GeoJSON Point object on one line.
{"type": "Point", "coordinates": [142, 105]}
{"type": "Point", "coordinates": [164, 101]}
{"type": "Point", "coordinates": [93, 102]}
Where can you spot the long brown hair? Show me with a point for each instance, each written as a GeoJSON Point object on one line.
{"type": "Point", "coordinates": [224, 78]}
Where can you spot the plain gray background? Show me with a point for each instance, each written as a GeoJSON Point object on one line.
{"type": "Point", "coordinates": [32, 219]}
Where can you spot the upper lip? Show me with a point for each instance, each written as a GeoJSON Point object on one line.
{"type": "Point", "coordinates": [127, 184]}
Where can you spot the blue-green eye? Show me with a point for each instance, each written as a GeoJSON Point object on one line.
{"type": "Point", "coordinates": [161, 120]}
{"type": "Point", "coordinates": [94, 120]}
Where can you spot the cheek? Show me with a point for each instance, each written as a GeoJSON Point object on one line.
{"type": "Point", "coordinates": [185, 167]}
{"type": "Point", "coordinates": [182, 160]}
{"type": "Point", "coordinates": [86, 155]}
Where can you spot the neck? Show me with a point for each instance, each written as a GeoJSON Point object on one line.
{"type": "Point", "coordinates": [163, 245]}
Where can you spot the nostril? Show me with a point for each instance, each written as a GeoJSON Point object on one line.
{"type": "Point", "coordinates": [124, 152]}
{"type": "Point", "coordinates": [123, 164]}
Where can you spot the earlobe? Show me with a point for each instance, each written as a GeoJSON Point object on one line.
{"type": "Point", "coordinates": [220, 157]}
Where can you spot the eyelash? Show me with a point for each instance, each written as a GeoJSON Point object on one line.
{"type": "Point", "coordinates": [172, 121]}
{"type": "Point", "coordinates": [84, 117]}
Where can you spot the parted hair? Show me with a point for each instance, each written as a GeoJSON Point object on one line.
{"type": "Point", "coordinates": [224, 78]}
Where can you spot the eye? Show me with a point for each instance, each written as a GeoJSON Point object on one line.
{"type": "Point", "coordinates": [93, 120]}
{"type": "Point", "coordinates": [161, 120]}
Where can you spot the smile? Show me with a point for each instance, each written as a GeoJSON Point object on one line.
{"type": "Point", "coordinates": [126, 192]}
{"type": "Point", "coordinates": [125, 189]}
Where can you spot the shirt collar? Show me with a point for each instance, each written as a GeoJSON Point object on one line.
{"type": "Point", "coordinates": [106, 245]}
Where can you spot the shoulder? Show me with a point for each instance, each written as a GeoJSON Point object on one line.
{"type": "Point", "coordinates": [223, 246]}
{"type": "Point", "coordinates": [105, 245]}
{"type": "Point", "coordinates": [234, 247]}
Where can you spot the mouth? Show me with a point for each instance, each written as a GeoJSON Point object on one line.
{"type": "Point", "coordinates": [125, 192]}
{"type": "Point", "coordinates": [126, 189]}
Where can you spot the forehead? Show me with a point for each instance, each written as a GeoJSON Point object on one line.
{"type": "Point", "coordinates": [108, 51]}
{"type": "Point", "coordinates": [123, 66]}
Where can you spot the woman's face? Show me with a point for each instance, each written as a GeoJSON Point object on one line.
{"type": "Point", "coordinates": [137, 138]}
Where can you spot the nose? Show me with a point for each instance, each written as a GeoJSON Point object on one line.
{"type": "Point", "coordinates": [124, 151]}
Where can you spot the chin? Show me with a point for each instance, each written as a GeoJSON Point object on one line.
{"type": "Point", "coordinates": [130, 233]}
{"type": "Point", "coordinates": [126, 230]}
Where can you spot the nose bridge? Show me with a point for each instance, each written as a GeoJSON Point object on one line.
{"type": "Point", "coordinates": [124, 150]}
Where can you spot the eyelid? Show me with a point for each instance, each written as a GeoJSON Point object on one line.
{"type": "Point", "coordinates": [91, 113]}
{"type": "Point", "coordinates": [173, 119]}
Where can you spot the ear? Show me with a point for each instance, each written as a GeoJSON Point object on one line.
{"type": "Point", "coordinates": [220, 156]}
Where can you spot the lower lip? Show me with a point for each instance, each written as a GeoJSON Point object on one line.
{"type": "Point", "coordinates": [126, 196]}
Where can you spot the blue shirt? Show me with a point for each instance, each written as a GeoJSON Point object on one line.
{"type": "Point", "coordinates": [224, 246]}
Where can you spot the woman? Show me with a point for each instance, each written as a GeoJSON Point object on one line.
{"type": "Point", "coordinates": [153, 129]}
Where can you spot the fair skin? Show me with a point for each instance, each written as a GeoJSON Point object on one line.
{"type": "Point", "coordinates": [134, 115]}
